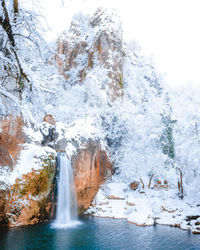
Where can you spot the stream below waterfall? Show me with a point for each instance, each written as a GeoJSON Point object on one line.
{"type": "Point", "coordinates": [97, 233]}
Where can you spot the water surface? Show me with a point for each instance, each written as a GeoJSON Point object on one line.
{"type": "Point", "coordinates": [97, 233]}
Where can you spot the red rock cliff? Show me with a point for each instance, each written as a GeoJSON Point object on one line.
{"type": "Point", "coordinates": [11, 139]}
{"type": "Point", "coordinates": [91, 168]}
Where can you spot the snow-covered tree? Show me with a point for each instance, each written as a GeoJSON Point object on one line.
{"type": "Point", "coordinates": [186, 106]}
{"type": "Point", "coordinates": [21, 42]}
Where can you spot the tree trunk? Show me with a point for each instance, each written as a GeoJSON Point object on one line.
{"type": "Point", "coordinates": [5, 23]}
{"type": "Point", "coordinates": [180, 184]}
{"type": "Point", "coordinates": [149, 185]}
{"type": "Point", "coordinates": [15, 9]}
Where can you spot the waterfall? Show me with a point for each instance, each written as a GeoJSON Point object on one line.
{"type": "Point", "coordinates": [66, 212]}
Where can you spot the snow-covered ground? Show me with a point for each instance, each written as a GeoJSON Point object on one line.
{"type": "Point", "coordinates": [145, 207]}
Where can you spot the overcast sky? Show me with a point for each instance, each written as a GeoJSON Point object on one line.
{"type": "Point", "coordinates": [166, 29]}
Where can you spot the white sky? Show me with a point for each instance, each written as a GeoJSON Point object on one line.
{"type": "Point", "coordinates": [169, 30]}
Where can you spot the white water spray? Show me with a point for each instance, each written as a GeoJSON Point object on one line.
{"type": "Point", "coordinates": [66, 213]}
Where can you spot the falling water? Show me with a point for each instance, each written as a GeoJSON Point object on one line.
{"type": "Point", "coordinates": [66, 213]}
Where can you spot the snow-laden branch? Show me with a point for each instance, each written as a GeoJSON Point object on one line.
{"type": "Point", "coordinates": [3, 80]}
{"type": "Point", "coordinates": [6, 94]}
{"type": "Point", "coordinates": [30, 39]}
{"type": "Point", "coordinates": [7, 27]}
{"type": "Point", "coordinates": [47, 90]}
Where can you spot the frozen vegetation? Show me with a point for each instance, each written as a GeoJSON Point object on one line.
{"type": "Point", "coordinates": [151, 133]}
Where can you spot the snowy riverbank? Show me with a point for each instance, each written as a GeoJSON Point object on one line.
{"type": "Point", "coordinates": [146, 207]}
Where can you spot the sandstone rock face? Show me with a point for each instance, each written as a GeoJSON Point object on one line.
{"type": "Point", "coordinates": [91, 168]}
{"type": "Point", "coordinates": [27, 171]}
{"type": "Point", "coordinates": [3, 219]}
{"type": "Point", "coordinates": [78, 53]}
{"type": "Point", "coordinates": [11, 139]}
{"type": "Point", "coordinates": [31, 198]}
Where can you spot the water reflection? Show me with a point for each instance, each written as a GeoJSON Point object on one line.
{"type": "Point", "coordinates": [28, 237]}
{"type": "Point", "coordinates": [14, 237]}
{"type": "Point", "coordinates": [97, 233]}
